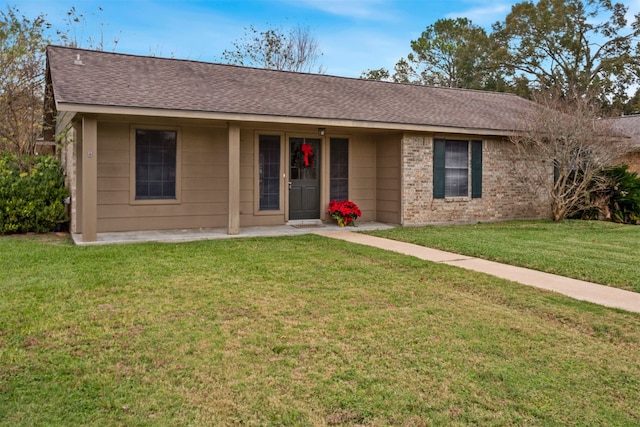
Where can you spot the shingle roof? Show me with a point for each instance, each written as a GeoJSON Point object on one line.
{"type": "Point", "coordinates": [628, 126]}
{"type": "Point", "coordinates": [119, 80]}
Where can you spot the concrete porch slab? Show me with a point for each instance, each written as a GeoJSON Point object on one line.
{"type": "Point", "coordinates": [191, 235]}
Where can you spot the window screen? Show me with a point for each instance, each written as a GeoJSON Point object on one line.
{"type": "Point", "coordinates": [456, 169]}
{"type": "Point", "coordinates": [339, 169]}
{"type": "Point", "coordinates": [155, 164]}
{"type": "Point", "coordinates": [269, 172]}
{"type": "Point", "coordinates": [452, 168]}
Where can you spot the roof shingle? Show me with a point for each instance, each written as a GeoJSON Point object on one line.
{"type": "Point", "coordinates": [628, 126]}
{"type": "Point", "coordinates": [120, 80]}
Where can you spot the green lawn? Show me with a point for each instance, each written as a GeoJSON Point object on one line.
{"type": "Point", "coordinates": [297, 331]}
{"type": "Point", "coordinates": [596, 251]}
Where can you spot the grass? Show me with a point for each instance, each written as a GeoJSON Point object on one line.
{"type": "Point", "coordinates": [596, 251]}
{"type": "Point", "coordinates": [297, 331]}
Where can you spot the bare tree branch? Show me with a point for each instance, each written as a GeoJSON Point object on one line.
{"type": "Point", "coordinates": [273, 49]}
{"type": "Point", "coordinates": [576, 147]}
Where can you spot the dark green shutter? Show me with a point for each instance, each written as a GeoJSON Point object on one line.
{"type": "Point", "coordinates": [438, 168]}
{"type": "Point", "coordinates": [476, 169]}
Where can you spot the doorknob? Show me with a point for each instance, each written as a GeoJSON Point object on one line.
{"type": "Point", "coordinates": [289, 185]}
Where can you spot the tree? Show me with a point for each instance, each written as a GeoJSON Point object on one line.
{"type": "Point", "coordinates": [22, 47]}
{"type": "Point", "coordinates": [576, 47]}
{"type": "Point", "coordinates": [449, 53]}
{"type": "Point", "coordinates": [274, 49]}
{"type": "Point", "coordinates": [402, 73]}
{"type": "Point", "coordinates": [76, 24]}
{"type": "Point", "coordinates": [632, 106]}
{"type": "Point", "coordinates": [381, 74]}
{"type": "Point", "coordinates": [575, 147]}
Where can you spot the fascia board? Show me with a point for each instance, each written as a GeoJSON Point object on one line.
{"type": "Point", "coordinates": [238, 117]}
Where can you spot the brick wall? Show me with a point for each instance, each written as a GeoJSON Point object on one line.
{"type": "Point", "coordinates": [633, 160]}
{"type": "Point", "coordinates": [505, 194]}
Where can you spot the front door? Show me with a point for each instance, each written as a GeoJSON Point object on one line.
{"type": "Point", "coordinates": [304, 176]}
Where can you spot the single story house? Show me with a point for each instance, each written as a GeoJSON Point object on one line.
{"type": "Point", "coordinates": [154, 143]}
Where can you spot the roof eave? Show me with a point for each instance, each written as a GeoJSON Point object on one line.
{"type": "Point", "coordinates": [64, 120]}
{"type": "Point", "coordinates": [242, 117]}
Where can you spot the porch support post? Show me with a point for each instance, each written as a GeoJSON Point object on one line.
{"type": "Point", "coordinates": [234, 179]}
{"type": "Point", "coordinates": [89, 179]}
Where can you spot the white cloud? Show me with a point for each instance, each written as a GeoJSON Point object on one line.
{"type": "Point", "coordinates": [356, 9]}
{"type": "Point", "coordinates": [484, 15]}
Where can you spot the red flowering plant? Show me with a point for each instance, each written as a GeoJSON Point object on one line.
{"type": "Point", "coordinates": [345, 212]}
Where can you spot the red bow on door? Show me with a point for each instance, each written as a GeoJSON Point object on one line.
{"type": "Point", "coordinates": [307, 150]}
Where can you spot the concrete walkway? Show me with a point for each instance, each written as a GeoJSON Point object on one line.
{"type": "Point", "coordinates": [577, 289]}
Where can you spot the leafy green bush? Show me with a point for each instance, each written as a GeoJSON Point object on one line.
{"type": "Point", "coordinates": [32, 194]}
{"type": "Point", "coordinates": [624, 195]}
{"type": "Point", "coordinates": [618, 201]}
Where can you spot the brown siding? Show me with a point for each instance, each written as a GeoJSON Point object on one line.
{"type": "Point", "coordinates": [203, 200]}
{"type": "Point", "coordinates": [113, 175]}
{"type": "Point", "coordinates": [388, 179]}
{"type": "Point", "coordinates": [246, 175]}
{"type": "Point", "coordinates": [362, 175]}
{"type": "Point", "coordinates": [204, 181]}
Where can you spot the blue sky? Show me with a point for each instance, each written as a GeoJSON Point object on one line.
{"type": "Point", "coordinates": [354, 35]}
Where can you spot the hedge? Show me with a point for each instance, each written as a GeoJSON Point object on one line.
{"type": "Point", "coordinates": [32, 194]}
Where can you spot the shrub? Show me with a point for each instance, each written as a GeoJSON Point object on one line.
{"type": "Point", "coordinates": [32, 194]}
{"type": "Point", "coordinates": [624, 195]}
{"type": "Point", "coordinates": [618, 200]}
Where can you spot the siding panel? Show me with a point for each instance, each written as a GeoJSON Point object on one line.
{"type": "Point", "coordinates": [362, 182]}
{"type": "Point", "coordinates": [111, 170]}
{"type": "Point", "coordinates": [203, 182]}
{"type": "Point", "coordinates": [113, 184]}
{"type": "Point", "coordinates": [113, 197]}
{"type": "Point", "coordinates": [178, 210]}
{"type": "Point", "coordinates": [388, 180]}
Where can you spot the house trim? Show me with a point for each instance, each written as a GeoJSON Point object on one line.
{"type": "Point", "coordinates": [234, 179]}
{"type": "Point", "coordinates": [289, 120]}
{"type": "Point", "coordinates": [256, 174]}
{"type": "Point", "coordinates": [89, 179]}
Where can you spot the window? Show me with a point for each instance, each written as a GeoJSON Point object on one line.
{"type": "Point", "coordinates": [155, 154]}
{"type": "Point", "coordinates": [339, 169]}
{"type": "Point", "coordinates": [456, 169]}
{"type": "Point", "coordinates": [269, 172]}
{"type": "Point", "coordinates": [454, 162]}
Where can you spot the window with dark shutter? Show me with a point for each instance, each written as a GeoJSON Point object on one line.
{"type": "Point", "coordinates": [456, 169]}
{"type": "Point", "coordinates": [452, 162]}
{"type": "Point", "coordinates": [476, 169]}
{"type": "Point", "coordinates": [438, 168]}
